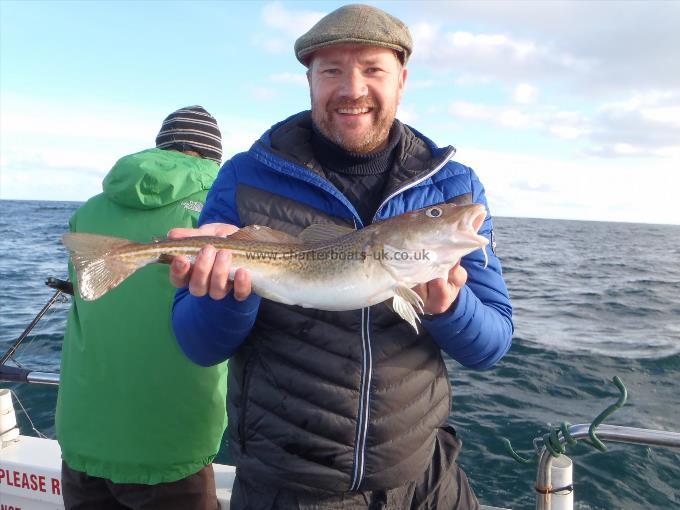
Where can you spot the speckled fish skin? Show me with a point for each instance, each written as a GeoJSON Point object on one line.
{"type": "Point", "coordinates": [326, 267]}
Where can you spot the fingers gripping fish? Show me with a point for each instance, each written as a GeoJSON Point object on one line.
{"type": "Point", "coordinates": [327, 267]}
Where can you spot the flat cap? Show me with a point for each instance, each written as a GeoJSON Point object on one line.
{"type": "Point", "coordinates": [356, 24]}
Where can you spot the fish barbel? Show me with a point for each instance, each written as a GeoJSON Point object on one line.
{"type": "Point", "coordinates": [327, 267]}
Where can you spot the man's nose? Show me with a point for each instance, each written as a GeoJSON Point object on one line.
{"type": "Point", "coordinates": [354, 85]}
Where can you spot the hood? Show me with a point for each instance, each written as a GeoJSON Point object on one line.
{"type": "Point", "coordinates": [156, 178]}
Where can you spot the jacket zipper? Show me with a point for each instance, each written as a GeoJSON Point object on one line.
{"type": "Point", "coordinates": [364, 400]}
{"type": "Point", "coordinates": [367, 355]}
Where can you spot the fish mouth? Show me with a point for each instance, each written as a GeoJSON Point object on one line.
{"type": "Point", "coordinates": [478, 217]}
{"type": "Point", "coordinates": [472, 221]}
{"type": "Point", "coordinates": [466, 231]}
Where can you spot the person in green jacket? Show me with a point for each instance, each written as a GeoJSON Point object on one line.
{"type": "Point", "coordinates": [138, 423]}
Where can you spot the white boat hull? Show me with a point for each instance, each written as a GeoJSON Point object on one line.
{"type": "Point", "coordinates": [30, 476]}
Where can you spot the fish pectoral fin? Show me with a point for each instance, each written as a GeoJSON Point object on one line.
{"type": "Point", "coordinates": [411, 296]}
{"type": "Point", "coordinates": [406, 303]}
{"type": "Point", "coordinates": [322, 232]}
{"type": "Point", "coordinates": [263, 234]}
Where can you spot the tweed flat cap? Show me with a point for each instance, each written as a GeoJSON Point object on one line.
{"type": "Point", "coordinates": [356, 24]}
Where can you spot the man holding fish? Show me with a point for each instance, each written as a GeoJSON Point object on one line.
{"type": "Point", "coordinates": [330, 406]}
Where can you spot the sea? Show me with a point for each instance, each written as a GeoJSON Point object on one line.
{"type": "Point", "coordinates": [592, 300]}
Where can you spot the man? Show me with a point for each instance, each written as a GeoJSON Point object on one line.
{"type": "Point", "coordinates": [138, 423]}
{"type": "Point", "coordinates": [341, 409]}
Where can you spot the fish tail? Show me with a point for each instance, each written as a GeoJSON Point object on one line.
{"type": "Point", "coordinates": [98, 267]}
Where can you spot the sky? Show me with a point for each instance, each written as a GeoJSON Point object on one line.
{"type": "Point", "coordinates": [564, 109]}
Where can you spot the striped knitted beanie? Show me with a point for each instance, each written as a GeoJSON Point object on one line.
{"type": "Point", "coordinates": [191, 128]}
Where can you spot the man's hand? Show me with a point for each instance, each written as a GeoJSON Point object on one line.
{"type": "Point", "coordinates": [438, 295]}
{"type": "Point", "coordinates": [209, 273]}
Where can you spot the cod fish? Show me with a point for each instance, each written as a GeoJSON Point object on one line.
{"type": "Point", "coordinates": [327, 267]}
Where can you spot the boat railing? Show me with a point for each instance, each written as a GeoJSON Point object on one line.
{"type": "Point", "coordinates": [550, 497]}
{"type": "Point", "coordinates": [23, 375]}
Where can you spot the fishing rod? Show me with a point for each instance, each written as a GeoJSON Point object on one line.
{"type": "Point", "coordinates": [16, 374]}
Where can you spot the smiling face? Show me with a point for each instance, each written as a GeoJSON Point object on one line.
{"type": "Point", "coordinates": [355, 91]}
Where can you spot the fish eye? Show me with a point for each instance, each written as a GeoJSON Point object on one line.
{"type": "Point", "coordinates": [434, 212]}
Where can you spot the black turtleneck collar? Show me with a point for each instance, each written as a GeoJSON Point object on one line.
{"type": "Point", "coordinates": [336, 159]}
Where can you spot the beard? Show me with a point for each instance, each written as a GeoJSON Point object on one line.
{"type": "Point", "coordinates": [361, 143]}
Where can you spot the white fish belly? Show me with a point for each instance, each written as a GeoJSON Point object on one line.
{"type": "Point", "coordinates": [338, 293]}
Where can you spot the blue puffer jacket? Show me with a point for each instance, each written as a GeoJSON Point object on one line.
{"type": "Point", "coordinates": [276, 387]}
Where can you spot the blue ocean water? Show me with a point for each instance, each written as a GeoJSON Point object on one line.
{"type": "Point", "coordinates": [592, 300]}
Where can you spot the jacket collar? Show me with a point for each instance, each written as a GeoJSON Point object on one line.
{"type": "Point", "coordinates": [290, 140]}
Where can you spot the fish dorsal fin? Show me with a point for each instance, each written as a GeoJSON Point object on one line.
{"type": "Point", "coordinates": [84, 243]}
{"type": "Point", "coordinates": [263, 234]}
{"type": "Point", "coordinates": [322, 232]}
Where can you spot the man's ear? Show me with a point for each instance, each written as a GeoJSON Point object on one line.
{"type": "Point", "coordinates": [403, 74]}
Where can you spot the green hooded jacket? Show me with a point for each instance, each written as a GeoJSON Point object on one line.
{"type": "Point", "coordinates": [131, 407]}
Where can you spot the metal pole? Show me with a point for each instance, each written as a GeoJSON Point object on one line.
{"type": "Point", "coordinates": [50, 378]}
{"type": "Point", "coordinates": [612, 433]}
{"type": "Point", "coordinates": [28, 329]}
{"type": "Point", "coordinates": [23, 375]}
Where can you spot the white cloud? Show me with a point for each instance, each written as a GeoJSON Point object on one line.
{"type": "Point", "coordinates": [21, 116]}
{"type": "Point", "coordinates": [485, 56]}
{"type": "Point", "coordinates": [58, 151]}
{"type": "Point", "coordinates": [524, 93]}
{"type": "Point", "coordinates": [507, 117]}
{"type": "Point", "coordinates": [425, 36]}
{"type": "Point", "coordinates": [581, 188]}
{"type": "Point", "coordinates": [420, 84]}
{"type": "Point", "coordinates": [271, 43]}
{"type": "Point", "coordinates": [514, 119]}
{"type": "Point", "coordinates": [567, 132]}
{"type": "Point", "coordinates": [283, 27]}
{"type": "Point", "coordinates": [292, 23]}
{"type": "Point", "coordinates": [467, 80]}
{"type": "Point", "coordinates": [644, 125]}
{"type": "Point", "coordinates": [664, 115]}
{"type": "Point", "coordinates": [408, 114]}
{"type": "Point", "coordinates": [49, 183]}
{"type": "Point", "coordinates": [568, 125]}
{"type": "Point", "coordinates": [263, 93]}
{"type": "Point", "coordinates": [491, 44]}
{"type": "Point", "coordinates": [294, 78]}
{"type": "Point", "coordinates": [617, 46]}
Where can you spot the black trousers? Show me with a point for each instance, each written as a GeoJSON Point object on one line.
{"type": "Point", "coordinates": [443, 486]}
{"type": "Point", "coordinates": [84, 492]}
